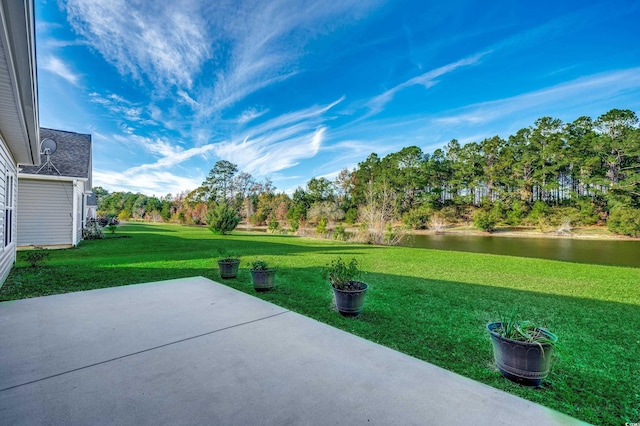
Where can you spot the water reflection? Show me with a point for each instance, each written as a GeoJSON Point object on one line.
{"type": "Point", "coordinates": [608, 252]}
{"type": "Point", "coordinates": [605, 252]}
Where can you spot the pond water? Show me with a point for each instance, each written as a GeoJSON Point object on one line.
{"type": "Point", "coordinates": [603, 252]}
{"type": "Point", "coordinates": [606, 252]}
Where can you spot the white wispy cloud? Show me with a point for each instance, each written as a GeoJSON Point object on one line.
{"type": "Point", "coordinates": [164, 175]}
{"type": "Point", "coordinates": [251, 45]}
{"type": "Point", "coordinates": [427, 80]}
{"type": "Point", "coordinates": [577, 92]}
{"type": "Point", "coordinates": [167, 154]}
{"type": "Point", "coordinates": [250, 114]}
{"type": "Point", "coordinates": [185, 98]}
{"type": "Point", "coordinates": [164, 42]}
{"type": "Point", "coordinates": [279, 143]}
{"type": "Point", "coordinates": [123, 110]}
{"type": "Point", "coordinates": [260, 158]}
{"type": "Point", "coordinates": [60, 68]}
{"type": "Point", "coordinates": [265, 41]}
{"type": "Point", "coordinates": [267, 148]}
{"type": "Point", "coordinates": [152, 182]}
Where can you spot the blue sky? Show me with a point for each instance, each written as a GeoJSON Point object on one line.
{"type": "Point", "coordinates": [292, 89]}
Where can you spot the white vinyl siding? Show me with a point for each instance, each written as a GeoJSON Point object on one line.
{"type": "Point", "coordinates": [45, 213]}
{"type": "Point", "coordinates": [7, 204]}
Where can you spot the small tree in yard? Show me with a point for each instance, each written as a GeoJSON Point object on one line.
{"type": "Point", "coordinates": [222, 219]}
{"type": "Point", "coordinates": [111, 228]}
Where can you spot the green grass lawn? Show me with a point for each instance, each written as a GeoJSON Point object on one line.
{"type": "Point", "coordinates": [433, 305]}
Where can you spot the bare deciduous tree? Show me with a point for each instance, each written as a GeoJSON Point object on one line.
{"type": "Point", "coordinates": [437, 223]}
{"type": "Point", "coordinates": [377, 214]}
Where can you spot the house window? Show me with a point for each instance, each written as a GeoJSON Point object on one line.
{"type": "Point", "coordinates": [8, 210]}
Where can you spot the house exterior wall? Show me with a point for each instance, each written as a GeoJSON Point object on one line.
{"type": "Point", "coordinates": [19, 124]}
{"type": "Point", "coordinates": [48, 226]}
{"type": "Point", "coordinates": [8, 183]}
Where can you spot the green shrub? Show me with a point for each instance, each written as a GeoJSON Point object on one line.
{"type": "Point", "coordinates": [258, 218]}
{"type": "Point", "coordinates": [340, 233]}
{"type": "Point", "coordinates": [485, 220]}
{"type": "Point", "coordinates": [321, 227]}
{"type": "Point", "coordinates": [539, 215]}
{"type": "Point", "coordinates": [342, 275]}
{"type": "Point", "coordinates": [521, 330]}
{"type": "Point", "coordinates": [625, 221]}
{"type": "Point", "coordinates": [449, 213]}
{"type": "Point", "coordinates": [227, 255]}
{"type": "Point", "coordinates": [390, 234]}
{"type": "Point", "coordinates": [296, 212]}
{"type": "Point", "coordinates": [588, 214]}
{"type": "Point", "coordinates": [222, 219]}
{"type": "Point", "coordinates": [515, 214]}
{"type": "Point", "coordinates": [418, 217]}
{"type": "Point", "coordinates": [92, 231]}
{"type": "Point", "coordinates": [351, 216]}
{"type": "Point", "coordinates": [499, 211]}
{"type": "Point", "coordinates": [259, 265]}
{"type": "Point", "coordinates": [274, 225]}
{"type": "Point", "coordinates": [36, 258]}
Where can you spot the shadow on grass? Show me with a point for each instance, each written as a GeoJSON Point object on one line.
{"type": "Point", "coordinates": [439, 321]}
{"type": "Point", "coordinates": [143, 227]}
{"type": "Point", "coordinates": [157, 247]}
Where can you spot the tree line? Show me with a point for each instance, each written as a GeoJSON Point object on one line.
{"type": "Point", "coordinates": [550, 174]}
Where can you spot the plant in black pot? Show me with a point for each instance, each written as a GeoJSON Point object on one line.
{"type": "Point", "coordinates": [228, 264]}
{"type": "Point", "coordinates": [522, 350]}
{"type": "Point", "coordinates": [348, 291]}
{"type": "Point", "coordinates": [262, 275]}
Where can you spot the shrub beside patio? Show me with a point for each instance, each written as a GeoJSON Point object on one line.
{"type": "Point", "coordinates": [433, 305]}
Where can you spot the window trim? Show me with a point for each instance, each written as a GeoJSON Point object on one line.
{"type": "Point", "coordinates": [9, 208]}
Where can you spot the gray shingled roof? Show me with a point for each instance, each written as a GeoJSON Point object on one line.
{"type": "Point", "coordinates": [72, 157]}
{"type": "Point", "coordinates": [92, 200]}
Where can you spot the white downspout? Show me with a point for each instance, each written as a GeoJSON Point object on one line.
{"type": "Point", "coordinates": [74, 210]}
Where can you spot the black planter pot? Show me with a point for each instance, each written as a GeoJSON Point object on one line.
{"type": "Point", "coordinates": [228, 268]}
{"type": "Point", "coordinates": [350, 302]}
{"type": "Point", "coordinates": [263, 279]}
{"type": "Point", "coordinates": [522, 362]}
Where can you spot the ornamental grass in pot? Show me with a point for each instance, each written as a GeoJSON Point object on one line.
{"type": "Point", "coordinates": [228, 264]}
{"type": "Point", "coordinates": [348, 291]}
{"type": "Point", "coordinates": [522, 350]}
{"type": "Point", "coordinates": [262, 275]}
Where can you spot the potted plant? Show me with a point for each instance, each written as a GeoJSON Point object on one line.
{"type": "Point", "coordinates": [262, 275]}
{"type": "Point", "coordinates": [348, 291]}
{"type": "Point", "coordinates": [228, 264]}
{"type": "Point", "coordinates": [522, 350]}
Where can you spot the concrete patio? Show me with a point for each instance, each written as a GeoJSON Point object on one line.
{"type": "Point", "coordinates": [193, 351]}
